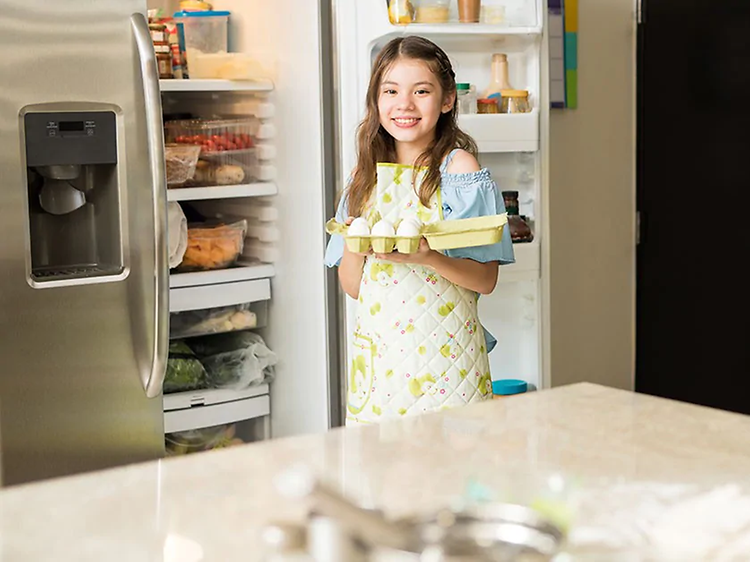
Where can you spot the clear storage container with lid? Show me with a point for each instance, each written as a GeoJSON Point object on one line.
{"type": "Point", "coordinates": [465, 98]}
{"type": "Point", "coordinates": [205, 32]}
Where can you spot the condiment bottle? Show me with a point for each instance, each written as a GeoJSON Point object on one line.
{"type": "Point", "coordinates": [487, 105]}
{"type": "Point", "coordinates": [520, 231]}
{"type": "Point", "coordinates": [499, 80]}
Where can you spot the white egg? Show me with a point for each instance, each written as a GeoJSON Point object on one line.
{"type": "Point", "coordinates": [409, 228]}
{"type": "Point", "coordinates": [359, 227]}
{"type": "Point", "coordinates": [383, 228]}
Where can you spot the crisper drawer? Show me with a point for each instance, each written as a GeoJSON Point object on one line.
{"type": "Point", "coordinates": [216, 296]}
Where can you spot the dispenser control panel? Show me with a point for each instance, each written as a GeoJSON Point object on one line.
{"type": "Point", "coordinates": [70, 138]}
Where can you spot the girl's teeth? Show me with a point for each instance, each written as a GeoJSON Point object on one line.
{"type": "Point", "coordinates": [405, 121]}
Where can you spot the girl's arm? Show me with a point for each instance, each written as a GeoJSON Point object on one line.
{"type": "Point", "coordinates": [469, 274]}
{"type": "Point", "coordinates": [350, 272]}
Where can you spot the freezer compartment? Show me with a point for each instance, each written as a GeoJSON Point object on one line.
{"type": "Point", "coordinates": [193, 323]}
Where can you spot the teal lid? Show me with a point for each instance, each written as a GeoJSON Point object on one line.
{"type": "Point", "coordinates": [508, 387]}
{"type": "Point", "coordinates": [202, 14]}
{"type": "Point", "coordinates": [463, 86]}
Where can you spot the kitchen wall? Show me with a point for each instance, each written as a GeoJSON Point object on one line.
{"type": "Point", "coordinates": [592, 206]}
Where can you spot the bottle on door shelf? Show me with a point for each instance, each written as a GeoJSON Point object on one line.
{"type": "Point", "coordinates": [520, 231]}
{"type": "Point", "coordinates": [499, 80]}
{"type": "Point", "coordinates": [465, 98]}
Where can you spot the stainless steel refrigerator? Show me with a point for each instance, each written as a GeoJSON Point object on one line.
{"type": "Point", "coordinates": [83, 265]}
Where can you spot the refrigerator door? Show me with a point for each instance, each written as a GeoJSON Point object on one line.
{"type": "Point", "coordinates": [83, 358]}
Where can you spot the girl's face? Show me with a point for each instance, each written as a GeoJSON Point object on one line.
{"type": "Point", "coordinates": [410, 102]}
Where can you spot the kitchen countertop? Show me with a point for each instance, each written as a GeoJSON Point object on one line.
{"type": "Point", "coordinates": [624, 460]}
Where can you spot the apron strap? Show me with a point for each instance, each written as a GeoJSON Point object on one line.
{"type": "Point", "coordinates": [447, 161]}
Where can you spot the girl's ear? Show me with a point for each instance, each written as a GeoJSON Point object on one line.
{"type": "Point", "coordinates": [449, 101]}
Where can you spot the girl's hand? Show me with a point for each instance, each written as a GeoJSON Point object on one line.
{"type": "Point", "coordinates": [348, 222]}
{"type": "Point", "coordinates": [423, 256]}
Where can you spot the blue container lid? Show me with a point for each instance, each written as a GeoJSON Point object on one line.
{"type": "Point", "coordinates": [205, 14]}
{"type": "Point", "coordinates": [508, 387]}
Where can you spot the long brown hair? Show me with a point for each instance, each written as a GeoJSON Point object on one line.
{"type": "Point", "coordinates": [375, 144]}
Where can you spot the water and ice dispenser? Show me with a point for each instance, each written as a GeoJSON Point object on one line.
{"type": "Point", "coordinates": [74, 195]}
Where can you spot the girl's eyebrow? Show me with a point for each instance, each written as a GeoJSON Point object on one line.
{"type": "Point", "coordinates": [391, 83]}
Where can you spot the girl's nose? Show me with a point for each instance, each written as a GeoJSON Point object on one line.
{"type": "Point", "coordinates": [405, 101]}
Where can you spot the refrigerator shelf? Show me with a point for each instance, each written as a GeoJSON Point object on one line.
{"type": "Point", "coordinates": [527, 266]}
{"type": "Point", "coordinates": [471, 30]}
{"type": "Point", "coordinates": [210, 397]}
{"type": "Point", "coordinates": [503, 133]}
{"type": "Point", "coordinates": [199, 417]}
{"type": "Point", "coordinates": [260, 189]}
{"type": "Point", "coordinates": [207, 296]}
{"type": "Point", "coordinates": [206, 85]}
{"type": "Point", "coordinates": [244, 271]}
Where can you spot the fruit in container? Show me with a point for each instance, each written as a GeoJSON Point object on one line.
{"type": "Point", "coordinates": [213, 246]}
{"type": "Point", "coordinates": [401, 12]}
{"type": "Point", "coordinates": [217, 142]}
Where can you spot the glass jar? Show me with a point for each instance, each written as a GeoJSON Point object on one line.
{"type": "Point", "coordinates": [487, 105]}
{"type": "Point", "coordinates": [514, 101]}
{"type": "Point", "coordinates": [164, 61]}
{"type": "Point", "coordinates": [520, 231]}
{"type": "Point", "coordinates": [433, 11]}
{"type": "Point", "coordinates": [401, 12]}
{"type": "Point", "coordinates": [465, 98]}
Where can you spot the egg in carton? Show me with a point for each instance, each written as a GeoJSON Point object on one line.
{"type": "Point", "coordinates": [408, 235]}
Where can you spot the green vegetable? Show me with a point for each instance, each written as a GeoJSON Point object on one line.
{"type": "Point", "coordinates": [184, 370]}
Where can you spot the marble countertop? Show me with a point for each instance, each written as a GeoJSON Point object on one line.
{"type": "Point", "coordinates": [629, 463]}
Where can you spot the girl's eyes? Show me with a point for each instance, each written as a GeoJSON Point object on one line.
{"type": "Point", "coordinates": [392, 92]}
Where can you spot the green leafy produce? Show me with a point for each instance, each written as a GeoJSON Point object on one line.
{"type": "Point", "coordinates": [184, 370]}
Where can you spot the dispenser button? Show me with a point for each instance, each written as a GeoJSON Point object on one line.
{"type": "Point", "coordinates": [52, 132]}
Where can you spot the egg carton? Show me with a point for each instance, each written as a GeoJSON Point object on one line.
{"type": "Point", "coordinates": [442, 235]}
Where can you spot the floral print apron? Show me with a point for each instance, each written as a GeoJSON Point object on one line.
{"type": "Point", "coordinates": [418, 344]}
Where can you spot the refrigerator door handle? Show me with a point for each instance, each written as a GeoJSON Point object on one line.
{"type": "Point", "coordinates": [152, 98]}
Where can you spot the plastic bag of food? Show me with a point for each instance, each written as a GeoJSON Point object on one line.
{"type": "Point", "coordinates": [213, 245]}
{"type": "Point", "coordinates": [184, 369]}
{"type": "Point", "coordinates": [235, 360]}
{"type": "Point", "coordinates": [180, 163]}
{"type": "Point", "coordinates": [212, 321]}
{"type": "Point", "coordinates": [198, 440]}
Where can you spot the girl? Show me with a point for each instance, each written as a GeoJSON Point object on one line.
{"type": "Point", "coordinates": [418, 343]}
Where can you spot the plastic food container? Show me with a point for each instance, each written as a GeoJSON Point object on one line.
{"type": "Point", "coordinates": [204, 31]}
{"type": "Point", "coordinates": [199, 440]}
{"type": "Point", "coordinates": [192, 323]}
{"type": "Point", "coordinates": [180, 162]}
{"type": "Point", "coordinates": [433, 11]}
{"type": "Point", "coordinates": [228, 155]}
{"type": "Point", "coordinates": [225, 66]}
{"type": "Point", "coordinates": [465, 233]}
{"type": "Point", "coordinates": [213, 246]}
{"type": "Point", "coordinates": [401, 12]}
{"type": "Point", "coordinates": [508, 387]}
